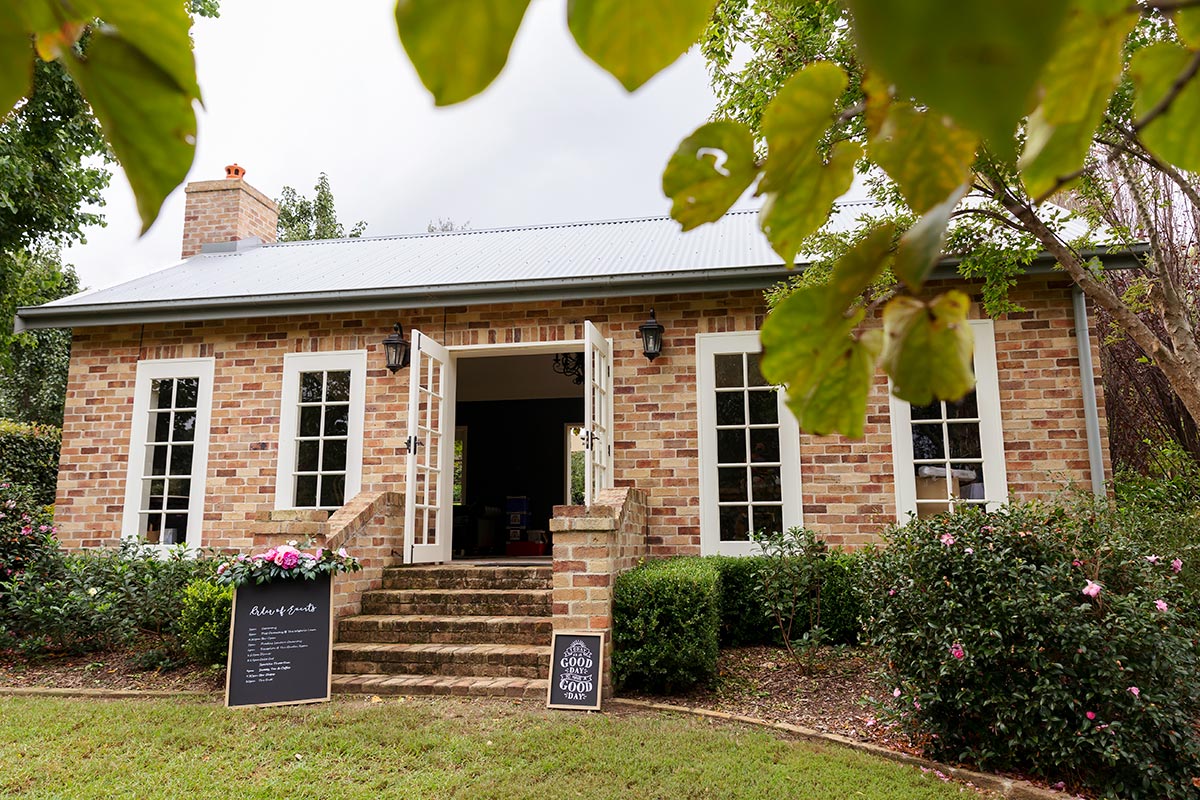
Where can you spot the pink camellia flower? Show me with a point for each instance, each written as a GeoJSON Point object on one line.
{"type": "Point", "coordinates": [1160, 604]}
{"type": "Point", "coordinates": [1077, 563]}
{"type": "Point", "coordinates": [1176, 565]}
{"type": "Point", "coordinates": [221, 569]}
{"type": "Point", "coordinates": [896, 692]}
{"type": "Point", "coordinates": [288, 560]}
{"type": "Point", "coordinates": [891, 592]}
{"type": "Point", "coordinates": [1135, 691]}
{"type": "Point", "coordinates": [947, 539]}
{"type": "Point", "coordinates": [917, 705]}
{"type": "Point", "coordinates": [969, 550]}
{"type": "Point", "coordinates": [1091, 715]}
{"type": "Point", "coordinates": [1152, 559]}
{"type": "Point", "coordinates": [1092, 589]}
{"type": "Point", "coordinates": [957, 651]}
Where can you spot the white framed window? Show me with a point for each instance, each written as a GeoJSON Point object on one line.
{"type": "Point", "coordinates": [948, 454]}
{"type": "Point", "coordinates": [168, 451]}
{"type": "Point", "coordinates": [749, 447]}
{"type": "Point", "coordinates": [321, 429]}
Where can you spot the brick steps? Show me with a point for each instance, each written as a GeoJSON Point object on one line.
{"type": "Point", "coordinates": [481, 660]}
{"type": "Point", "coordinates": [464, 602]}
{"type": "Point", "coordinates": [467, 577]}
{"type": "Point", "coordinates": [435, 685]}
{"type": "Point", "coordinates": [466, 630]}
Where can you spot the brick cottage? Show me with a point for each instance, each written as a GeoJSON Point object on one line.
{"type": "Point", "coordinates": [244, 397]}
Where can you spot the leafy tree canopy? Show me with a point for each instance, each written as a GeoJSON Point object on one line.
{"type": "Point", "coordinates": [954, 110]}
{"type": "Point", "coordinates": [302, 219]}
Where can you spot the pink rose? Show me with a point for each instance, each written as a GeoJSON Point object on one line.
{"type": "Point", "coordinates": [269, 555]}
{"type": "Point", "coordinates": [341, 551]}
{"type": "Point", "coordinates": [288, 560]}
{"type": "Point", "coordinates": [1092, 589]}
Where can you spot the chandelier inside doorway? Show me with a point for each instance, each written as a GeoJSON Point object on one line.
{"type": "Point", "coordinates": [570, 365]}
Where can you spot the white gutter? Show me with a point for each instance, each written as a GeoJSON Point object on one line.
{"type": "Point", "coordinates": [1087, 381]}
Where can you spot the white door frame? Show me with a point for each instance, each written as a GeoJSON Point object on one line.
{"type": "Point", "coordinates": [429, 455]}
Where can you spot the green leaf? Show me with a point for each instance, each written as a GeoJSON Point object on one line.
{"type": "Point", "coordinates": [790, 217]}
{"type": "Point", "coordinates": [1078, 82]}
{"type": "Point", "coordinates": [925, 153]}
{"type": "Point", "coordinates": [16, 58]}
{"type": "Point", "coordinates": [976, 61]}
{"type": "Point", "coordinates": [709, 172]}
{"type": "Point", "coordinates": [1172, 135]}
{"type": "Point", "coordinates": [928, 348]}
{"type": "Point", "coordinates": [148, 120]}
{"type": "Point", "coordinates": [458, 47]}
{"type": "Point", "coordinates": [632, 41]}
{"type": "Point", "coordinates": [921, 245]}
{"type": "Point", "coordinates": [800, 188]}
{"type": "Point", "coordinates": [160, 29]}
{"type": "Point", "coordinates": [808, 343]}
{"type": "Point", "coordinates": [1187, 25]}
{"type": "Point", "coordinates": [838, 403]}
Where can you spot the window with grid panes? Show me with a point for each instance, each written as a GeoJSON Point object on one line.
{"type": "Point", "coordinates": [321, 439]}
{"type": "Point", "coordinates": [168, 451]}
{"type": "Point", "coordinates": [321, 429]}
{"type": "Point", "coordinates": [749, 447]}
{"type": "Point", "coordinates": [951, 453]}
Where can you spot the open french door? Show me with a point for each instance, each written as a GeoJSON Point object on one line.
{"type": "Point", "coordinates": [429, 477]}
{"type": "Point", "coordinates": [598, 412]}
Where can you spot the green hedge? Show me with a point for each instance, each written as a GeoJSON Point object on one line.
{"type": "Point", "coordinates": [29, 456]}
{"type": "Point", "coordinates": [204, 621]}
{"type": "Point", "coordinates": [744, 621]}
{"type": "Point", "coordinates": [666, 619]}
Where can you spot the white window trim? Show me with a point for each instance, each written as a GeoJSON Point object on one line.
{"type": "Point", "coordinates": [991, 433]}
{"type": "Point", "coordinates": [289, 418]}
{"type": "Point", "coordinates": [707, 346]}
{"type": "Point", "coordinates": [148, 371]}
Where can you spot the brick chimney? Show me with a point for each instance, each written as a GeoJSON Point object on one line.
{"type": "Point", "coordinates": [226, 211]}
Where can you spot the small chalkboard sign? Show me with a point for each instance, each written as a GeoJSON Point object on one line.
{"type": "Point", "coordinates": [281, 646]}
{"type": "Point", "coordinates": [576, 670]}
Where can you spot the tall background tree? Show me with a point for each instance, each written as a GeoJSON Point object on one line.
{"type": "Point", "coordinates": [302, 219]}
{"type": "Point", "coordinates": [55, 163]}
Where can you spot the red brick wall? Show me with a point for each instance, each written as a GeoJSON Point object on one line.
{"type": "Point", "coordinates": [848, 489]}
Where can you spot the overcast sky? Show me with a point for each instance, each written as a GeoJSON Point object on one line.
{"type": "Point", "coordinates": [292, 89]}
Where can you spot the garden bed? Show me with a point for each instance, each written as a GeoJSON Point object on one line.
{"type": "Point", "coordinates": [117, 670]}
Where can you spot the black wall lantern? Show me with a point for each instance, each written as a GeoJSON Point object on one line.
{"type": "Point", "coordinates": [396, 348]}
{"type": "Point", "coordinates": [651, 332]}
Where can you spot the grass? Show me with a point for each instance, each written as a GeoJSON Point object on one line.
{"type": "Point", "coordinates": [71, 748]}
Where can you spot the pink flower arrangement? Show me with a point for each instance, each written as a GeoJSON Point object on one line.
{"type": "Point", "coordinates": [1092, 589]}
{"type": "Point", "coordinates": [284, 562]}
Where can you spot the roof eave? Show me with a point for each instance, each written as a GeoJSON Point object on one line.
{"type": "Point", "coordinates": [682, 282]}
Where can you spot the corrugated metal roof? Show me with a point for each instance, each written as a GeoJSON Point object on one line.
{"type": "Point", "coordinates": [576, 259]}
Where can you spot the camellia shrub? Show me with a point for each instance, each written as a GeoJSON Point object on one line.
{"type": "Point", "coordinates": [29, 456]}
{"type": "Point", "coordinates": [666, 622]}
{"type": "Point", "coordinates": [744, 620]}
{"type": "Point", "coordinates": [1043, 641]}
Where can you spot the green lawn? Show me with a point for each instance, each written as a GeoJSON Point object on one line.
{"type": "Point", "coordinates": [68, 748]}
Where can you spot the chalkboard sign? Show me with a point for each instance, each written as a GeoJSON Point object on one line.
{"type": "Point", "coordinates": [576, 670]}
{"type": "Point", "coordinates": [281, 648]}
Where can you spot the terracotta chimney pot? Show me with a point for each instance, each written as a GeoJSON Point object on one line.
{"type": "Point", "coordinates": [235, 173]}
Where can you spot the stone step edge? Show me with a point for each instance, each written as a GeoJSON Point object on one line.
{"type": "Point", "coordinates": [482, 593]}
{"type": "Point", "coordinates": [450, 619]}
{"type": "Point", "coordinates": [465, 685]}
{"type": "Point", "coordinates": [433, 647]}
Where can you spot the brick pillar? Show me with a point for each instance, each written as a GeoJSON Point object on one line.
{"type": "Point", "coordinates": [226, 210]}
{"type": "Point", "coordinates": [592, 545]}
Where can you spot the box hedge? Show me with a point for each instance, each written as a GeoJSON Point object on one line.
{"type": "Point", "coordinates": [666, 621]}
